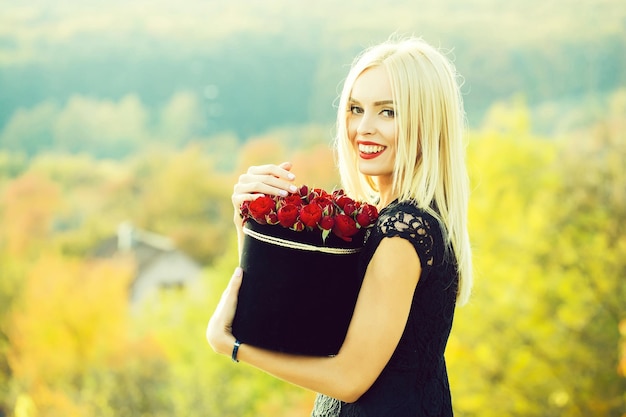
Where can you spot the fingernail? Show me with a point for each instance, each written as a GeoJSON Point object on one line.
{"type": "Point", "coordinates": [293, 188]}
{"type": "Point", "coordinates": [283, 193]}
{"type": "Point", "coordinates": [238, 271]}
{"type": "Point", "coordinates": [291, 176]}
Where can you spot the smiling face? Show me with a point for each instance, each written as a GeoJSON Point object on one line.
{"type": "Point", "coordinates": [371, 124]}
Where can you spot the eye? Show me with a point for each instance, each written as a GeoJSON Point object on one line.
{"type": "Point", "coordinates": [388, 113]}
{"type": "Point", "coordinates": [354, 109]}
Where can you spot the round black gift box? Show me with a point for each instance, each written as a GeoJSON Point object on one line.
{"type": "Point", "coordinates": [295, 298]}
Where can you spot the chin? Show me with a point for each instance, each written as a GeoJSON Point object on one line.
{"type": "Point", "coordinates": [374, 171]}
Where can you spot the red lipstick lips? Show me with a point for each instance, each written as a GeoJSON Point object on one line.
{"type": "Point", "coordinates": [370, 150]}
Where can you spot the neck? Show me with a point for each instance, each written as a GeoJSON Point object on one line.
{"type": "Point", "coordinates": [386, 194]}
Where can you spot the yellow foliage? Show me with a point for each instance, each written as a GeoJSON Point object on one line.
{"type": "Point", "coordinates": [71, 315]}
{"type": "Point", "coordinates": [28, 202]}
{"type": "Point", "coordinates": [621, 367]}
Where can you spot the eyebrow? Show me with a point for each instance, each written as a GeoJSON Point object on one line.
{"type": "Point", "coordinates": [376, 103]}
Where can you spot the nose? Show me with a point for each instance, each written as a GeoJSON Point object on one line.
{"type": "Point", "coordinates": [366, 125]}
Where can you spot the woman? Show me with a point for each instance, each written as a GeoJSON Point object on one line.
{"type": "Point", "coordinates": [399, 145]}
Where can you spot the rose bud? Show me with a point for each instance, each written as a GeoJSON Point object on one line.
{"type": "Point", "coordinates": [244, 210]}
{"type": "Point", "coordinates": [327, 223]}
{"type": "Point", "coordinates": [350, 208]}
{"type": "Point", "coordinates": [271, 219]}
{"type": "Point", "coordinates": [297, 226]}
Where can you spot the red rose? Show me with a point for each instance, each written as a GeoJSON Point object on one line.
{"type": "Point", "coordinates": [326, 224]}
{"type": "Point", "coordinates": [363, 219]}
{"type": "Point", "coordinates": [261, 207]}
{"type": "Point", "coordinates": [345, 227]}
{"type": "Point", "coordinates": [311, 215]}
{"type": "Point", "coordinates": [350, 208]}
{"type": "Point", "coordinates": [287, 215]}
{"type": "Point", "coordinates": [321, 192]}
{"type": "Point", "coordinates": [371, 211]}
{"type": "Point", "coordinates": [317, 192]}
{"type": "Point", "coordinates": [367, 216]}
{"type": "Point", "coordinates": [326, 204]}
{"type": "Point", "coordinates": [342, 200]}
{"type": "Point", "coordinates": [294, 199]}
{"type": "Point", "coordinates": [303, 191]}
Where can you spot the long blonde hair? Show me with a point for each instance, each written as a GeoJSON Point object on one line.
{"type": "Point", "coordinates": [430, 161]}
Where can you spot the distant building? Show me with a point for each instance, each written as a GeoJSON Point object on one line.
{"type": "Point", "coordinates": [159, 264]}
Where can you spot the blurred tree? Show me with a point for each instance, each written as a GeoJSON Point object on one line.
{"type": "Point", "coordinates": [180, 119]}
{"type": "Point", "coordinates": [106, 128]}
{"type": "Point", "coordinates": [71, 350]}
{"type": "Point", "coordinates": [11, 282]}
{"type": "Point", "coordinates": [12, 164]}
{"type": "Point", "coordinates": [69, 316]}
{"type": "Point", "coordinates": [31, 130]}
{"type": "Point", "coordinates": [546, 223]}
{"type": "Point", "coordinates": [622, 349]}
{"type": "Point", "coordinates": [181, 195]}
{"type": "Point", "coordinates": [268, 149]}
{"type": "Point", "coordinates": [28, 205]}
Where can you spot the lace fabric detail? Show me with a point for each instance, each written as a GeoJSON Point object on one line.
{"type": "Point", "coordinates": [413, 227]}
{"type": "Point", "coordinates": [326, 406]}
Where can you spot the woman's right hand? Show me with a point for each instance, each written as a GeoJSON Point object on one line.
{"type": "Point", "coordinates": [263, 180]}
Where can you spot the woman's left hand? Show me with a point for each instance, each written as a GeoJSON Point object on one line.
{"type": "Point", "coordinates": [219, 330]}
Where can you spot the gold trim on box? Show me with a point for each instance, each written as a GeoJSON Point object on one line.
{"type": "Point", "coordinates": [297, 245]}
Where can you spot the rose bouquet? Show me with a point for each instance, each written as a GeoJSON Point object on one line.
{"type": "Point", "coordinates": [301, 273]}
{"type": "Point", "coordinates": [311, 210]}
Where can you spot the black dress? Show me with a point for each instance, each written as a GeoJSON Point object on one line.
{"type": "Point", "coordinates": [414, 382]}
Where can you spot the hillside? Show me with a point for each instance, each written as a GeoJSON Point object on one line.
{"type": "Point", "coordinates": [249, 66]}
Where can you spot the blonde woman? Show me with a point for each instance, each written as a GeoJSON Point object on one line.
{"type": "Point", "coordinates": [400, 146]}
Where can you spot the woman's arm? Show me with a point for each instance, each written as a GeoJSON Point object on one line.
{"type": "Point", "coordinates": [379, 319]}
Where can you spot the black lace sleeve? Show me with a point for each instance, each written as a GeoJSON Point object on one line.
{"type": "Point", "coordinates": [414, 225]}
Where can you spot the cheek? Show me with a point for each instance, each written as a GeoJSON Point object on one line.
{"type": "Point", "coordinates": [389, 133]}
{"type": "Point", "coordinates": [351, 129]}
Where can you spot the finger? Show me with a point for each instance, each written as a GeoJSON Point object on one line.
{"type": "Point", "coordinates": [232, 289]}
{"type": "Point", "coordinates": [264, 184]}
{"type": "Point", "coordinates": [235, 280]}
{"type": "Point", "coordinates": [286, 166]}
{"type": "Point", "coordinates": [238, 199]}
{"type": "Point", "coordinates": [281, 171]}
